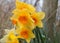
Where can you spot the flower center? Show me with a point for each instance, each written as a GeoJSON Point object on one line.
{"type": "Point", "coordinates": [23, 19]}
{"type": "Point", "coordinates": [24, 34]}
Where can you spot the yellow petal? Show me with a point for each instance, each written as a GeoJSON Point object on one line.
{"type": "Point", "coordinates": [16, 14]}
{"type": "Point", "coordinates": [35, 17]}
{"type": "Point", "coordinates": [22, 5]}
{"type": "Point", "coordinates": [40, 24]}
{"type": "Point", "coordinates": [29, 25]}
{"type": "Point", "coordinates": [11, 34]}
{"type": "Point", "coordinates": [16, 11]}
{"type": "Point", "coordinates": [41, 15]}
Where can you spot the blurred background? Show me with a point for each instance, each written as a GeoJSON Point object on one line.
{"type": "Point", "coordinates": [51, 21]}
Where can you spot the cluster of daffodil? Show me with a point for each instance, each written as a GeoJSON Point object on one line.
{"type": "Point", "coordinates": [25, 18]}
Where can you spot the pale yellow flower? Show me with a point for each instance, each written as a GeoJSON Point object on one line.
{"type": "Point", "coordinates": [38, 17]}
{"type": "Point", "coordinates": [11, 38]}
{"type": "Point", "coordinates": [25, 33]}
{"type": "Point", "coordinates": [22, 6]}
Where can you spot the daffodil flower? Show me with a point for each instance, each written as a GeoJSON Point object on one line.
{"type": "Point", "coordinates": [22, 6]}
{"type": "Point", "coordinates": [25, 33]}
{"type": "Point", "coordinates": [23, 17]}
{"type": "Point", "coordinates": [38, 17]}
{"type": "Point", "coordinates": [10, 37]}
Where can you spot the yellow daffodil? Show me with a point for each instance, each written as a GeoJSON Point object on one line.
{"type": "Point", "coordinates": [25, 33]}
{"type": "Point", "coordinates": [22, 6]}
{"type": "Point", "coordinates": [37, 17]}
{"type": "Point", "coordinates": [23, 17]}
{"type": "Point", "coordinates": [11, 38]}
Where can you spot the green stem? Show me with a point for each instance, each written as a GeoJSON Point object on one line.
{"type": "Point", "coordinates": [38, 29]}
